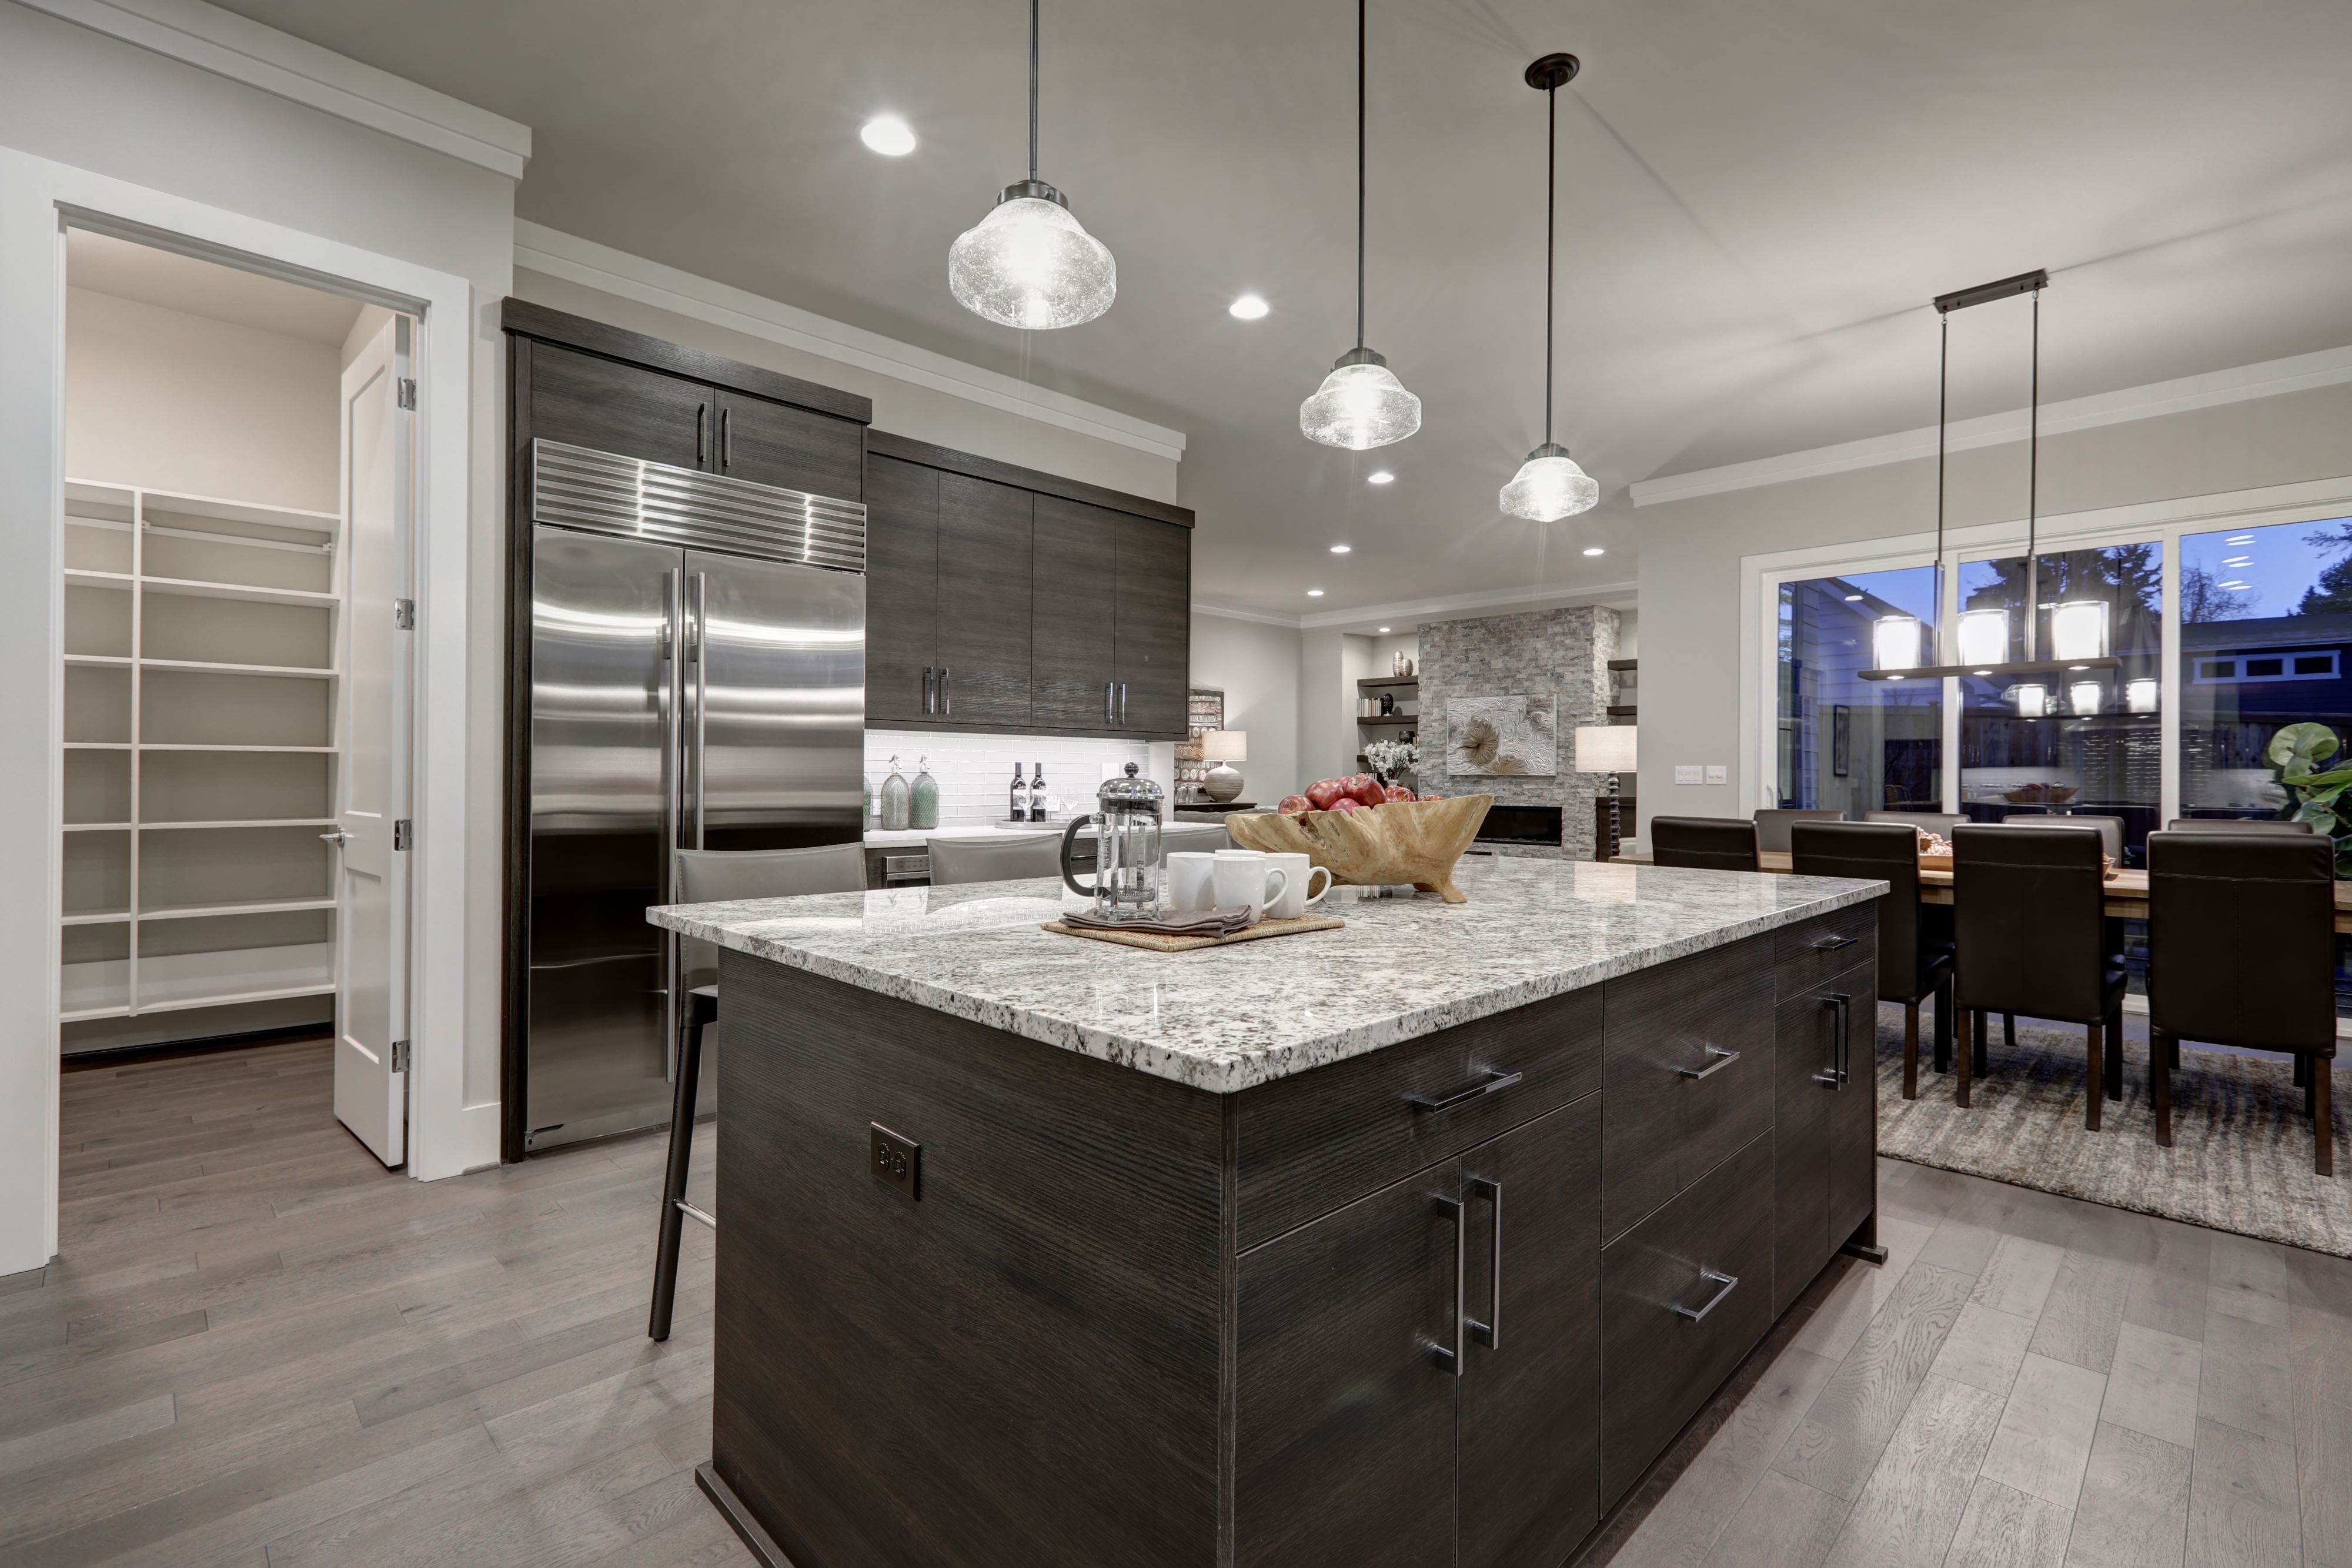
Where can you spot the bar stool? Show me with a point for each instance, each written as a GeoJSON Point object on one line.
{"type": "Point", "coordinates": [1773, 824]}
{"type": "Point", "coordinates": [1703, 843]}
{"type": "Point", "coordinates": [712, 877]}
{"type": "Point", "coordinates": [1000, 857]}
{"type": "Point", "coordinates": [1912, 964]}
{"type": "Point", "coordinates": [2243, 929]}
{"type": "Point", "coordinates": [2030, 916]}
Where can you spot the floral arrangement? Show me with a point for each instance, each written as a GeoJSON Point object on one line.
{"type": "Point", "coordinates": [1392, 759]}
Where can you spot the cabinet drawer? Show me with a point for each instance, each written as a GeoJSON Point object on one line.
{"type": "Point", "coordinates": [1810, 952]}
{"type": "Point", "coordinates": [1662, 1124]}
{"type": "Point", "coordinates": [1673, 1327]}
{"type": "Point", "coordinates": [1308, 1144]}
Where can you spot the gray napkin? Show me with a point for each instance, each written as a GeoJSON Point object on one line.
{"type": "Point", "coordinates": [1172, 923]}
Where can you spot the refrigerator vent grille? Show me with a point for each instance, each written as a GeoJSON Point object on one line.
{"type": "Point", "coordinates": [600, 492]}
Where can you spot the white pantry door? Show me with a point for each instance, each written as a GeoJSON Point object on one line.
{"type": "Point", "coordinates": [372, 750]}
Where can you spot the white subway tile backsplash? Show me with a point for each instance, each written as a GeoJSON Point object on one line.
{"type": "Point", "coordinates": [975, 771]}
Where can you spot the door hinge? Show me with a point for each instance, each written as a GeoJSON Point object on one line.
{"type": "Point", "coordinates": [408, 391]}
{"type": "Point", "coordinates": [399, 1056]}
{"type": "Point", "coordinates": [403, 833]}
{"type": "Point", "coordinates": [403, 615]}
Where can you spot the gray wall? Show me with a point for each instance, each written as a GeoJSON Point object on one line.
{"type": "Point", "coordinates": [1257, 667]}
{"type": "Point", "coordinates": [1562, 652]}
{"type": "Point", "coordinates": [1691, 550]}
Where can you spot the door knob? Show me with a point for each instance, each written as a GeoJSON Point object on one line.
{"type": "Point", "coordinates": [338, 838]}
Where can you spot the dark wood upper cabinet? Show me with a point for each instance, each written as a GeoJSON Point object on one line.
{"type": "Point", "coordinates": [771, 443]}
{"type": "Point", "coordinates": [984, 598]}
{"type": "Point", "coordinates": [1073, 677]}
{"type": "Point", "coordinates": [1152, 625]}
{"type": "Point", "coordinates": [902, 572]}
{"type": "Point", "coordinates": [1530, 1435]}
{"type": "Point", "coordinates": [582, 399]}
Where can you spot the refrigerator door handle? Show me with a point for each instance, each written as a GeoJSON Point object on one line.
{"type": "Point", "coordinates": [698, 653]}
{"type": "Point", "coordinates": [673, 639]}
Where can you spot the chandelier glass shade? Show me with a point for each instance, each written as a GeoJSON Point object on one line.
{"type": "Point", "coordinates": [1031, 264]}
{"type": "Point", "coordinates": [1549, 486]}
{"type": "Point", "coordinates": [1360, 406]}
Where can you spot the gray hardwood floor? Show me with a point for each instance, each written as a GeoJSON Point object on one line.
{"type": "Point", "coordinates": [258, 1348]}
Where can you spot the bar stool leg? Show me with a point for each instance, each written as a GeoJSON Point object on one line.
{"type": "Point", "coordinates": [2009, 1032]}
{"type": "Point", "coordinates": [2322, 1119]}
{"type": "Point", "coordinates": [1911, 1051]}
{"type": "Point", "coordinates": [2094, 1081]}
{"type": "Point", "coordinates": [1960, 1059]}
{"type": "Point", "coordinates": [2159, 1086]}
{"type": "Point", "coordinates": [702, 1011]}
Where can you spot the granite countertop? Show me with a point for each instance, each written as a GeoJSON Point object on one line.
{"type": "Point", "coordinates": [1227, 1018]}
{"type": "Point", "coordinates": [906, 838]}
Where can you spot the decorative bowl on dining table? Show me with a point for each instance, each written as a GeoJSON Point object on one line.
{"type": "Point", "coordinates": [1416, 841]}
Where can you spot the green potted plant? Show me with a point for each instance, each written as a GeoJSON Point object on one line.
{"type": "Point", "coordinates": [2297, 753]}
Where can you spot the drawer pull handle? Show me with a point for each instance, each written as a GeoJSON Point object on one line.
{"type": "Point", "coordinates": [1831, 944]}
{"type": "Point", "coordinates": [1490, 1333]}
{"type": "Point", "coordinates": [1497, 1078]}
{"type": "Point", "coordinates": [1450, 1360]}
{"type": "Point", "coordinates": [1725, 1284]}
{"type": "Point", "coordinates": [1723, 1059]}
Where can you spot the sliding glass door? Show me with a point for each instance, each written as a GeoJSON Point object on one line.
{"type": "Point", "coordinates": [1855, 745]}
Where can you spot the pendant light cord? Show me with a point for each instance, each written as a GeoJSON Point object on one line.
{"type": "Point", "coordinates": [1359, 171]}
{"type": "Point", "coordinates": [1033, 89]}
{"type": "Point", "coordinates": [1943, 405]}
{"type": "Point", "coordinates": [2034, 491]}
{"type": "Point", "coordinates": [1551, 229]}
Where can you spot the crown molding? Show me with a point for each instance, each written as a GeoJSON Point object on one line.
{"type": "Point", "coordinates": [245, 51]}
{"type": "Point", "coordinates": [1261, 617]}
{"type": "Point", "coordinates": [584, 262]}
{"type": "Point", "coordinates": [2328, 367]}
{"type": "Point", "coordinates": [1449, 608]}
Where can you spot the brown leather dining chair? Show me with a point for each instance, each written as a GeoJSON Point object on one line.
{"type": "Point", "coordinates": [2241, 939]}
{"type": "Point", "coordinates": [1773, 823]}
{"type": "Point", "coordinates": [1703, 843]}
{"type": "Point", "coordinates": [1912, 965]}
{"type": "Point", "coordinates": [2233, 825]}
{"type": "Point", "coordinates": [2028, 917]}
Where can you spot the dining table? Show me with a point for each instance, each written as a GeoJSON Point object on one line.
{"type": "Point", "coordinates": [2127, 887]}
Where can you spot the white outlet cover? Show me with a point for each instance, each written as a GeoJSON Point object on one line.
{"type": "Point", "coordinates": [1718, 773]}
{"type": "Point", "coordinates": [1686, 772]}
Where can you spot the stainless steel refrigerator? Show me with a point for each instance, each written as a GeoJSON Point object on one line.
{"type": "Point", "coordinates": [699, 682]}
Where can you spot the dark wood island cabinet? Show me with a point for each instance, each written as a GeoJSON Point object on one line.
{"type": "Point", "coordinates": [1207, 1259]}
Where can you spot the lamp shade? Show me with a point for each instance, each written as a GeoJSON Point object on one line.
{"type": "Point", "coordinates": [1031, 264]}
{"type": "Point", "coordinates": [1549, 486]}
{"type": "Point", "coordinates": [1360, 405]}
{"type": "Point", "coordinates": [1895, 639]}
{"type": "Point", "coordinates": [2078, 630]}
{"type": "Point", "coordinates": [1224, 745]}
{"type": "Point", "coordinates": [1604, 748]}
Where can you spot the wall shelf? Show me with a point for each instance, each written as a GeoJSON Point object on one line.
{"type": "Point", "coordinates": [1390, 682]}
{"type": "Point", "coordinates": [1383, 719]}
{"type": "Point", "coordinates": [211, 887]}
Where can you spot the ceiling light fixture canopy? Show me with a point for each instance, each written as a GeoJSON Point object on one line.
{"type": "Point", "coordinates": [1361, 404]}
{"type": "Point", "coordinates": [1030, 263]}
{"type": "Point", "coordinates": [1550, 485]}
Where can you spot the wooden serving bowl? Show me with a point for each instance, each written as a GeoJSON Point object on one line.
{"type": "Point", "coordinates": [1405, 840]}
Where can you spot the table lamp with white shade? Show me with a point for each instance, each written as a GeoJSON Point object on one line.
{"type": "Point", "coordinates": [1222, 746]}
{"type": "Point", "coordinates": [1606, 749]}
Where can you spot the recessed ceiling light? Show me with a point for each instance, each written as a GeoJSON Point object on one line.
{"type": "Point", "coordinates": [1248, 307]}
{"type": "Point", "coordinates": [889, 135]}
{"type": "Point", "coordinates": [1342, 550]}
{"type": "Point", "coordinates": [1314, 593]}
{"type": "Point", "coordinates": [1380, 477]}
{"type": "Point", "coordinates": [1385, 629]}
{"type": "Point", "coordinates": [1594, 549]}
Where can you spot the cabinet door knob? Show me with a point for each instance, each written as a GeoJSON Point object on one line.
{"type": "Point", "coordinates": [1723, 1059]}
{"type": "Point", "coordinates": [701, 417]}
{"type": "Point", "coordinates": [1725, 1284]}
{"type": "Point", "coordinates": [1494, 1078]}
{"type": "Point", "coordinates": [338, 838]}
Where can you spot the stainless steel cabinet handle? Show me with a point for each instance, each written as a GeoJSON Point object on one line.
{"type": "Point", "coordinates": [1831, 944]}
{"type": "Point", "coordinates": [1107, 685]}
{"type": "Point", "coordinates": [1450, 1359]}
{"type": "Point", "coordinates": [930, 701]}
{"type": "Point", "coordinates": [1844, 1058]}
{"type": "Point", "coordinates": [1122, 704]}
{"type": "Point", "coordinates": [1490, 1333]}
{"type": "Point", "coordinates": [947, 697]}
{"type": "Point", "coordinates": [726, 437]}
{"type": "Point", "coordinates": [1725, 1284]}
{"type": "Point", "coordinates": [338, 838]}
{"type": "Point", "coordinates": [702, 413]}
{"type": "Point", "coordinates": [1496, 1078]}
{"type": "Point", "coordinates": [1723, 1059]}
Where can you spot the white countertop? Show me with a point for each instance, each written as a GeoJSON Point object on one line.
{"type": "Point", "coordinates": [902, 838]}
{"type": "Point", "coordinates": [1226, 1018]}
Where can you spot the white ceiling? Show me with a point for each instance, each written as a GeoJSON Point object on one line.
{"type": "Point", "coordinates": [1758, 202]}
{"type": "Point", "coordinates": [109, 265]}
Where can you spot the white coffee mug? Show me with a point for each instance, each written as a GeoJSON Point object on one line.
{"type": "Point", "coordinates": [1243, 877]}
{"type": "Point", "coordinates": [1189, 880]}
{"type": "Point", "coordinates": [1299, 893]}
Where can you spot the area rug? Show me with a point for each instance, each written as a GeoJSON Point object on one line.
{"type": "Point", "coordinates": [2241, 1155]}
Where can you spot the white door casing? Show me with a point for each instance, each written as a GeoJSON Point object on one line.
{"type": "Point", "coordinates": [373, 739]}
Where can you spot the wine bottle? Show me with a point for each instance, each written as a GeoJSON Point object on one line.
{"type": "Point", "coordinates": [1020, 796]}
{"type": "Point", "coordinates": [1037, 795]}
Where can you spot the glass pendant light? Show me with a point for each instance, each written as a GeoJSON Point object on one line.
{"type": "Point", "coordinates": [1361, 404]}
{"type": "Point", "coordinates": [1548, 485]}
{"type": "Point", "coordinates": [1030, 263]}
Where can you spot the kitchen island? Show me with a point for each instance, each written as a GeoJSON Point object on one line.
{"type": "Point", "coordinates": [1411, 1243]}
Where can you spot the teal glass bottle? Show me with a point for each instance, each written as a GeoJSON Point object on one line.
{"type": "Point", "coordinates": [894, 800]}
{"type": "Point", "coordinates": [923, 803]}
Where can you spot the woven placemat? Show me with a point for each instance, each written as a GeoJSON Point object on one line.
{"type": "Point", "coordinates": [1160, 942]}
